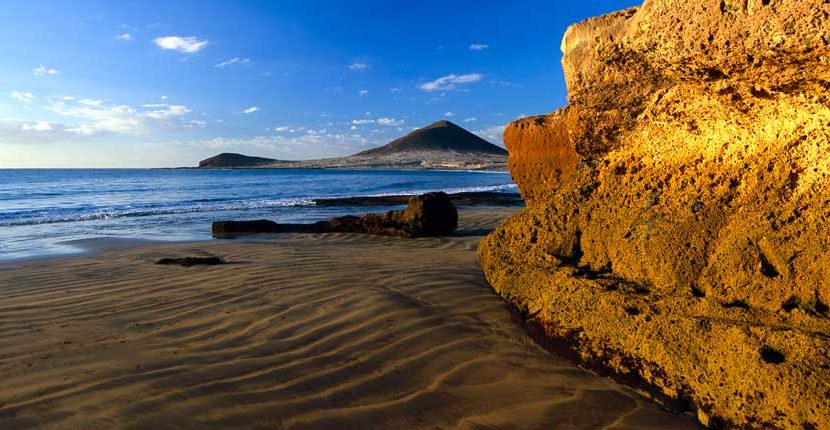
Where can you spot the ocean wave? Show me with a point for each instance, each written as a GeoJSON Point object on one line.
{"type": "Point", "coordinates": [65, 216]}
{"type": "Point", "coordinates": [472, 189]}
{"type": "Point", "coordinates": [68, 215]}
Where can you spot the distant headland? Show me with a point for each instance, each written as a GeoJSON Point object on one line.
{"type": "Point", "coordinates": [441, 145]}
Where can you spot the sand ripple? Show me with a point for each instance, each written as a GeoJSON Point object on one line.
{"type": "Point", "coordinates": [300, 332]}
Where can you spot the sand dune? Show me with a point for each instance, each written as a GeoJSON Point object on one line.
{"type": "Point", "coordinates": [301, 332]}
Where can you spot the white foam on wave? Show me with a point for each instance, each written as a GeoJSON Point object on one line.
{"type": "Point", "coordinates": [473, 189]}
{"type": "Point", "coordinates": [111, 213]}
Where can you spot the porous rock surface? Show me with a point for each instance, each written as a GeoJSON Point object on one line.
{"type": "Point", "coordinates": [676, 235]}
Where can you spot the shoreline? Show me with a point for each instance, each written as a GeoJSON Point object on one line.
{"type": "Point", "coordinates": [295, 331]}
{"type": "Point", "coordinates": [371, 203]}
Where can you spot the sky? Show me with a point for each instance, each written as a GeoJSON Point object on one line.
{"type": "Point", "coordinates": [166, 84]}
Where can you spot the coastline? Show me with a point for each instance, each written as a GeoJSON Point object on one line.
{"type": "Point", "coordinates": [296, 331]}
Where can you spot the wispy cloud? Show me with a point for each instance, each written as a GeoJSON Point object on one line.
{"type": "Point", "coordinates": [44, 71]}
{"type": "Point", "coordinates": [32, 132]}
{"type": "Point", "coordinates": [390, 122]}
{"type": "Point", "coordinates": [36, 126]}
{"type": "Point", "coordinates": [479, 46]}
{"type": "Point", "coordinates": [471, 119]}
{"type": "Point", "coordinates": [233, 61]}
{"type": "Point", "coordinates": [187, 45]}
{"type": "Point", "coordinates": [363, 92]}
{"type": "Point", "coordinates": [493, 134]}
{"type": "Point", "coordinates": [165, 111]}
{"type": "Point", "coordinates": [449, 114]}
{"type": "Point", "coordinates": [385, 121]}
{"type": "Point", "coordinates": [90, 118]}
{"type": "Point", "coordinates": [395, 90]}
{"type": "Point", "coordinates": [22, 96]}
{"type": "Point", "coordinates": [310, 144]}
{"type": "Point", "coordinates": [125, 37]}
{"type": "Point", "coordinates": [97, 117]}
{"type": "Point", "coordinates": [450, 82]}
{"type": "Point", "coordinates": [250, 110]}
{"type": "Point", "coordinates": [289, 129]}
{"type": "Point", "coordinates": [358, 66]}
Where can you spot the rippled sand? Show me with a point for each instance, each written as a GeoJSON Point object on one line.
{"type": "Point", "coordinates": [302, 332]}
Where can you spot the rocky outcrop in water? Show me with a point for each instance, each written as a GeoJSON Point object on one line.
{"type": "Point", "coordinates": [676, 232]}
{"type": "Point", "coordinates": [431, 214]}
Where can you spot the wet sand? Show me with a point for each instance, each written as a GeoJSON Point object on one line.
{"type": "Point", "coordinates": [337, 331]}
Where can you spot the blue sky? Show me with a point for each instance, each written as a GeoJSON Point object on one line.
{"type": "Point", "coordinates": [152, 84]}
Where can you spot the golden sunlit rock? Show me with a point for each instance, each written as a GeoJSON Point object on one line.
{"type": "Point", "coordinates": [676, 234]}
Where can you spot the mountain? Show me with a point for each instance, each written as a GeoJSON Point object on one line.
{"type": "Point", "coordinates": [442, 145]}
{"type": "Point", "coordinates": [232, 160]}
{"type": "Point", "coordinates": [439, 136]}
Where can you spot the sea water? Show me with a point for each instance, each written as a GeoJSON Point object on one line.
{"type": "Point", "coordinates": [44, 211]}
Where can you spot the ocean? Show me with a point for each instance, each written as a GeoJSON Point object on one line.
{"type": "Point", "coordinates": [46, 212]}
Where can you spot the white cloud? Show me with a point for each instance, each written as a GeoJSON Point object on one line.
{"type": "Point", "coordinates": [358, 66]}
{"type": "Point", "coordinates": [125, 37]}
{"type": "Point", "coordinates": [165, 111]}
{"type": "Point", "coordinates": [233, 61]}
{"type": "Point", "coordinates": [363, 92]}
{"type": "Point", "coordinates": [450, 82]}
{"type": "Point", "coordinates": [250, 110]}
{"type": "Point", "coordinates": [479, 46]}
{"type": "Point", "coordinates": [33, 132]}
{"type": "Point", "coordinates": [37, 126]}
{"type": "Point", "coordinates": [282, 128]}
{"type": "Point", "coordinates": [187, 45]}
{"type": "Point", "coordinates": [96, 117]}
{"type": "Point", "coordinates": [471, 119]}
{"type": "Point", "coordinates": [395, 90]}
{"type": "Point", "coordinates": [449, 114]}
{"type": "Point", "coordinates": [164, 97]}
{"type": "Point", "coordinates": [386, 121]}
{"type": "Point", "coordinates": [22, 96]}
{"type": "Point", "coordinates": [391, 122]}
{"type": "Point", "coordinates": [44, 71]}
{"type": "Point", "coordinates": [317, 144]}
{"type": "Point", "coordinates": [493, 134]}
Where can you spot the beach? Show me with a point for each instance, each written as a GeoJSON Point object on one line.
{"type": "Point", "coordinates": [317, 331]}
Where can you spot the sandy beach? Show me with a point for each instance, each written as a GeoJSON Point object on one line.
{"type": "Point", "coordinates": [338, 331]}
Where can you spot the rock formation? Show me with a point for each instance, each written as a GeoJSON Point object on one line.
{"type": "Point", "coordinates": [431, 214]}
{"type": "Point", "coordinates": [676, 235]}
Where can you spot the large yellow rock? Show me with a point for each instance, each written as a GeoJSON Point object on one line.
{"type": "Point", "coordinates": [676, 235]}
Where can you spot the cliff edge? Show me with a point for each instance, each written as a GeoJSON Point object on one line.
{"type": "Point", "coordinates": [676, 231]}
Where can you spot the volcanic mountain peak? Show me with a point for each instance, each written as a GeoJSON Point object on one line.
{"type": "Point", "coordinates": [439, 136]}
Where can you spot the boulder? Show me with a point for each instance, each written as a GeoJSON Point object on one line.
{"type": "Point", "coordinates": [431, 214]}
{"type": "Point", "coordinates": [675, 236]}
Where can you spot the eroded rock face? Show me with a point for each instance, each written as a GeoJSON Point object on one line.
{"type": "Point", "coordinates": [676, 234]}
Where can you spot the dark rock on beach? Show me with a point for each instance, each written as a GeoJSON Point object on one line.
{"type": "Point", "coordinates": [431, 214]}
{"type": "Point", "coordinates": [191, 261]}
